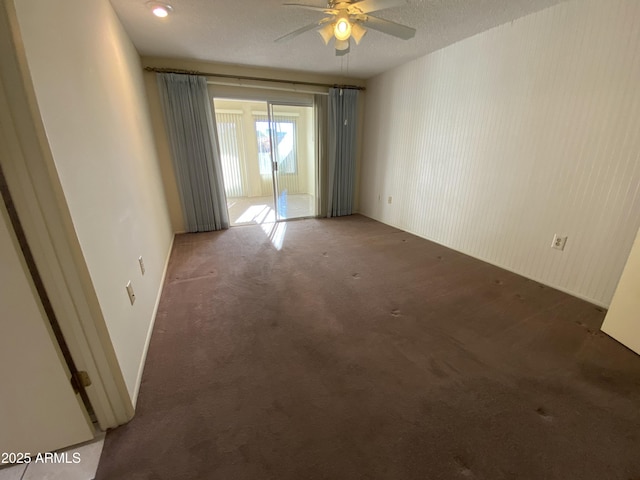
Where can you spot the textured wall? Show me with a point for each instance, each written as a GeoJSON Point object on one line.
{"type": "Point", "coordinates": [494, 144]}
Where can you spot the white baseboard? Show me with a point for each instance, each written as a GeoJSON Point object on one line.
{"type": "Point", "coordinates": [499, 265]}
{"type": "Point", "coordinates": [153, 321]}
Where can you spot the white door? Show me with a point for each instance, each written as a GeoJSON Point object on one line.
{"type": "Point", "coordinates": [623, 319]}
{"type": "Point", "coordinates": [39, 411]}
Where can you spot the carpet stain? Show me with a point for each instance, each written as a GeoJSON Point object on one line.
{"type": "Point", "coordinates": [356, 276]}
{"type": "Point", "coordinates": [436, 369]}
{"type": "Point", "coordinates": [544, 414]}
{"type": "Point", "coordinates": [589, 330]}
{"type": "Point", "coordinates": [464, 469]}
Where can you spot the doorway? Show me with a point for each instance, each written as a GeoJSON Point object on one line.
{"type": "Point", "coordinates": [268, 160]}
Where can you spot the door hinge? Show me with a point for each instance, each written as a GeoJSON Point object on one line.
{"type": "Point", "coordinates": [275, 166]}
{"type": "Point", "coordinates": [80, 380]}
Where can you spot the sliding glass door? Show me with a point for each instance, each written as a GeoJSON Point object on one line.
{"type": "Point", "coordinates": [268, 152]}
{"type": "Point", "coordinates": [292, 155]}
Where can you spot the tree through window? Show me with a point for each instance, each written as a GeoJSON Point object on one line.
{"type": "Point", "coordinates": [285, 136]}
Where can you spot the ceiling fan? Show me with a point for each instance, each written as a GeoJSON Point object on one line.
{"type": "Point", "coordinates": [347, 19]}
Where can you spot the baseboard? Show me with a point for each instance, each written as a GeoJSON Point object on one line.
{"type": "Point", "coordinates": [153, 322]}
{"type": "Point", "coordinates": [593, 301]}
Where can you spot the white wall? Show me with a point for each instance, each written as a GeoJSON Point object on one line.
{"type": "Point", "coordinates": [496, 143]}
{"type": "Point", "coordinates": [623, 321]}
{"type": "Point", "coordinates": [90, 91]}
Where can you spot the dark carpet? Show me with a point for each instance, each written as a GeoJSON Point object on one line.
{"type": "Point", "coordinates": [359, 351]}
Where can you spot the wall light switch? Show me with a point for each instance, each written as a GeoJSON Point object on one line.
{"type": "Point", "coordinates": [132, 296]}
{"type": "Point", "coordinates": [141, 262]}
{"type": "Point", "coordinates": [389, 200]}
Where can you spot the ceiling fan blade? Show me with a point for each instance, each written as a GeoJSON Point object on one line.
{"type": "Point", "coordinates": [390, 28]}
{"type": "Point", "coordinates": [366, 6]}
{"type": "Point", "coordinates": [328, 11]}
{"type": "Point", "coordinates": [299, 31]}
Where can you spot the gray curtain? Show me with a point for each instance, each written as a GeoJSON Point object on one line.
{"type": "Point", "coordinates": [342, 113]}
{"type": "Point", "coordinates": [320, 110]}
{"type": "Point", "coordinates": [194, 144]}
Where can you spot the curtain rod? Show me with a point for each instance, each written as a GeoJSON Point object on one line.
{"type": "Point", "coordinates": [266, 87]}
{"type": "Point", "coordinates": [258, 79]}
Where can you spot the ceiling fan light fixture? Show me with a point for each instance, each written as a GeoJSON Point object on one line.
{"type": "Point", "coordinates": [357, 32]}
{"type": "Point", "coordinates": [342, 29]}
{"type": "Point", "coordinates": [342, 44]}
{"type": "Point", "coordinates": [326, 33]}
{"type": "Point", "coordinates": [345, 19]}
{"type": "Point", "coordinates": [160, 10]}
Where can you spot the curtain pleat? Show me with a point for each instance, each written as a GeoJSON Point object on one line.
{"type": "Point", "coordinates": [196, 156]}
{"type": "Point", "coordinates": [320, 110]}
{"type": "Point", "coordinates": [342, 113]}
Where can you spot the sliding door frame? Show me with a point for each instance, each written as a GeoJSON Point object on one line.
{"type": "Point", "coordinates": [275, 160]}
{"type": "Point", "coordinates": [274, 98]}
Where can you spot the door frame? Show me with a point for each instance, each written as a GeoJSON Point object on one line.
{"type": "Point", "coordinates": [31, 177]}
{"type": "Point", "coordinates": [271, 121]}
{"type": "Point", "coordinates": [279, 96]}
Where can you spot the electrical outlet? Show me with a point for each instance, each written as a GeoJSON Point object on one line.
{"type": "Point", "coordinates": [141, 262]}
{"type": "Point", "coordinates": [132, 296]}
{"type": "Point", "coordinates": [558, 242]}
{"type": "Point", "coordinates": [389, 200]}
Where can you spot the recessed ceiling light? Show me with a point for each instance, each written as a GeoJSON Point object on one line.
{"type": "Point", "coordinates": [160, 9]}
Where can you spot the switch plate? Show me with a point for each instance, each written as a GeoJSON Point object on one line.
{"type": "Point", "coordinates": [141, 262]}
{"type": "Point", "coordinates": [389, 200]}
{"type": "Point", "coordinates": [558, 242]}
{"type": "Point", "coordinates": [132, 296]}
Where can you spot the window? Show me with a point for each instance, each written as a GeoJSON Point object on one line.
{"type": "Point", "coordinates": [285, 135]}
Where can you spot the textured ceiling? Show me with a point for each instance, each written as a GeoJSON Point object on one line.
{"type": "Point", "coordinates": [242, 32]}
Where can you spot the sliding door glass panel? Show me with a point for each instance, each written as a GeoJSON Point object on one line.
{"type": "Point", "coordinates": [248, 186]}
{"type": "Point", "coordinates": [268, 160]}
{"type": "Point", "coordinates": [292, 155]}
